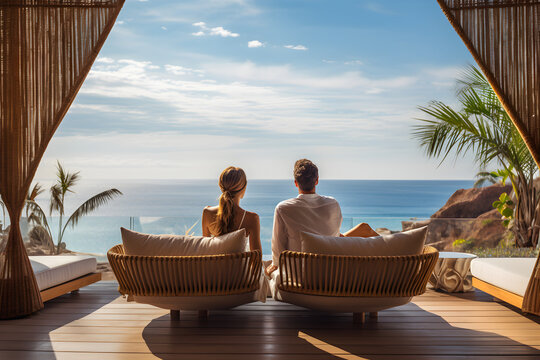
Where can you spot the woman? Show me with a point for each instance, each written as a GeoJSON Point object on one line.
{"type": "Point", "coordinates": [228, 216]}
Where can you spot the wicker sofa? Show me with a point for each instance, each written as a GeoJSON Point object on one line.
{"type": "Point", "coordinates": [188, 282]}
{"type": "Point", "coordinates": [356, 284]}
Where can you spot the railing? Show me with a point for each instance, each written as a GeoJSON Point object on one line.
{"type": "Point", "coordinates": [96, 234]}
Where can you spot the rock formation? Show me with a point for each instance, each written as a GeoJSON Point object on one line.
{"type": "Point", "coordinates": [472, 203]}
{"type": "Point", "coordinates": [469, 215]}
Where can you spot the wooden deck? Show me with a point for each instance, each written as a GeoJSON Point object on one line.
{"type": "Point", "coordinates": [99, 324]}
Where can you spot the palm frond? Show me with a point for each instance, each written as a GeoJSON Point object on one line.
{"type": "Point", "coordinates": [36, 215]}
{"type": "Point", "coordinates": [35, 192]}
{"type": "Point", "coordinates": [56, 202]}
{"type": "Point", "coordinates": [484, 177]}
{"type": "Point", "coordinates": [482, 128]}
{"type": "Point", "coordinates": [71, 180]}
{"type": "Point", "coordinates": [65, 179]}
{"type": "Point", "coordinates": [91, 205]}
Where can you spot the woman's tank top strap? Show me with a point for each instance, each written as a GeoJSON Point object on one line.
{"type": "Point", "coordinates": [242, 221]}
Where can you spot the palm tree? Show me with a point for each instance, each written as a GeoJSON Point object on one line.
{"type": "Point", "coordinates": [64, 184]}
{"type": "Point", "coordinates": [35, 214]}
{"type": "Point", "coordinates": [482, 127]}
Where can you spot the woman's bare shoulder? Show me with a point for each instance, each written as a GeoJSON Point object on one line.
{"type": "Point", "coordinates": [210, 209]}
{"type": "Point", "coordinates": [251, 216]}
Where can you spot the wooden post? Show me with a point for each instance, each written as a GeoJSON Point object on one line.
{"type": "Point", "coordinates": [175, 315]}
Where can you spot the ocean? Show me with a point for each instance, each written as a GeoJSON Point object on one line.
{"type": "Point", "coordinates": [173, 206]}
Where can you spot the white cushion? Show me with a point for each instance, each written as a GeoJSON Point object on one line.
{"type": "Point", "coordinates": [510, 274]}
{"type": "Point", "coordinates": [55, 270]}
{"type": "Point", "coordinates": [136, 243]}
{"type": "Point", "coordinates": [409, 242]}
{"type": "Point", "coordinates": [210, 302]}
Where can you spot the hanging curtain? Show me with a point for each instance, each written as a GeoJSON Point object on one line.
{"type": "Point", "coordinates": [504, 39]}
{"type": "Point", "coordinates": [47, 48]}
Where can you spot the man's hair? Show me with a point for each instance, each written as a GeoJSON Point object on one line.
{"type": "Point", "coordinates": [306, 174]}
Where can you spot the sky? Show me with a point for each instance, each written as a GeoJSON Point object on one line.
{"type": "Point", "coordinates": [183, 89]}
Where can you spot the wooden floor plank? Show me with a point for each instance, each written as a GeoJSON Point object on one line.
{"type": "Point", "coordinates": [97, 323]}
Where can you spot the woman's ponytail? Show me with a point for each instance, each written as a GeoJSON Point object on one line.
{"type": "Point", "coordinates": [231, 182]}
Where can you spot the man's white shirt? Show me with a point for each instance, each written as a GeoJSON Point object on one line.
{"type": "Point", "coordinates": [312, 213]}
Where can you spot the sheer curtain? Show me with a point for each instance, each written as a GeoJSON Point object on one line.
{"type": "Point", "coordinates": [504, 39]}
{"type": "Point", "coordinates": [46, 50]}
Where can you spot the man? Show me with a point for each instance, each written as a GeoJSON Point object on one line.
{"type": "Point", "coordinates": [307, 212]}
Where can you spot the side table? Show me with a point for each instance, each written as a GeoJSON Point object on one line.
{"type": "Point", "coordinates": [452, 272]}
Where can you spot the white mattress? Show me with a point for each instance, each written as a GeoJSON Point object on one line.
{"type": "Point", "coordinates": [55, 270]}
{"type": "Point", "coordinates": [510, 274]}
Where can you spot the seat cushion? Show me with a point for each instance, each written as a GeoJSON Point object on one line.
{"type": "Point", "coordinates": [136, 243]}
{"type": "Point", "coordinates": [510, 274]}
{"type": "Point", "coordinates": [409, 242]}
{"type": "Point", "coordinates": [55, 270]}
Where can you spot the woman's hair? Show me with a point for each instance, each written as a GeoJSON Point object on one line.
{"type": "Point", "coordinates": [231, 182]}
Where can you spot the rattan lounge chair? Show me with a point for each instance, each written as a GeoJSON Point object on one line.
{"type": "Point", "coordinates": [188, 282]}
{"type": "Point", "coordinates": [356, 284]}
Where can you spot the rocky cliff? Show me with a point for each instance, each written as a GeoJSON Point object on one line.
{"type": "Point", "coordinates": [469, 215]}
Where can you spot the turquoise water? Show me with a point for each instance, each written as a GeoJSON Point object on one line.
{"type": "Point", "coordinates": [174, 206]}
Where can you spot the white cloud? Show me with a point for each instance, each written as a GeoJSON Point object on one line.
{"type": "Point", "coordinates": [181, 70]}
{"type": "Point", "coordinates": [296, 47]}
{"type": "Point", "coordinates": [285, 75]}
{"type": "Point", "coordinates": [125, 155]}
{"type": "Point", "coordinates": [215, 102]}
{"type": "Point", "coordinates": [220, 31]}
{"type": "Point", "coordinates": [163, 28]}
{"type": "Point", "coordinates": [215, 31]}
{"type": "Point", "coordinates": [121, 22]}
{"type": "Point", "coordinates": [353, 62]}
{"type": "Point", "coordinates": [249, 114]}
{"type": "Point", "coordinates": [93, 108]}
{"type": "Point", "coordinates": [255, 44]}
{"type": "Point", "coordinates": [170, 155]}
{"type": "Point", "coordinates": [444, 77]}
{"type": "Point", "coordinates": [105, 60]}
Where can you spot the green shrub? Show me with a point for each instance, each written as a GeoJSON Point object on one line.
{"type": "Point", "coordinates": [463, 244]}
{"type": "Point", "coordinates": [500, 252]}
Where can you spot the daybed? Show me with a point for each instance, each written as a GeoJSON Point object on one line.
{"type": "Point", "coordinates": [177, 283]}
{"type": "Point", "coordinates": [59, 275]}
{"type": "Point", "coordinates": [503, 278]}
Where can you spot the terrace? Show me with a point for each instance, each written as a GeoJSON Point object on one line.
{"type": "Point", "coordinates": [97, 323]}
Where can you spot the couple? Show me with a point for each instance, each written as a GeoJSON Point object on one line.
{"type": "Point", "coordinates": [308, 212]}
